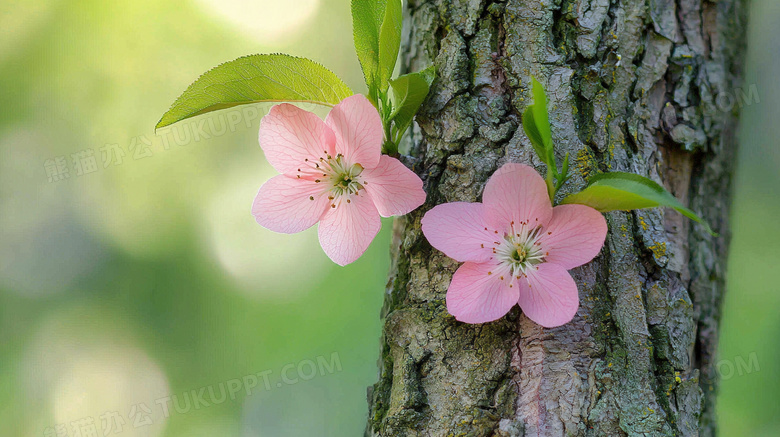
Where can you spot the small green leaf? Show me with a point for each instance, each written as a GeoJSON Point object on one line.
{"type": "Point", "coordinates": [627, 191]}
{"type": "Point", "coordinates": [367, 19]}
{"type": "Point", "coordinates": [389, 42]}
{"type": "Point", "coordinates": [408, 93]}
{"type": "Point", "coordinates": [540, 113]}
{"type": "Point", "coordinates": [529, 124]}
{"type": "Point", "coordinates": [537, 125]}
{"type": "Point", "coordinates": [564, 175]}
{"type": "Point", "coordinates": [258, 78]}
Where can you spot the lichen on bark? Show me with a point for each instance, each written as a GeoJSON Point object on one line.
{"type": "Point", "coordinates": [633, 86]}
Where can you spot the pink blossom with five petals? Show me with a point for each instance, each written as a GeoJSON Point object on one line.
{"type": "Point", "coordinates": [517, 249]}
{"type": "Point", "coordinates": [334, 173]}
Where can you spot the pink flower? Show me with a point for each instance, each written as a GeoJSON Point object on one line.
{"type": "Point", "coordinates": [517, 249]}
{"type": "Point", "coordinates": [332, 172]}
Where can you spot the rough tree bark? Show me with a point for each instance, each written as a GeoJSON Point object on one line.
{"type": "Point", "coordinates": [635, 85]}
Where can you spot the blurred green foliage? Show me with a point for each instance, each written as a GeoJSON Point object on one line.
{"type": "Point", "coordinates": [148, 277]}
{"type": "Point", "coordinates": [749, 400]}
{"type": "Point", "coordinates": [139, 258]}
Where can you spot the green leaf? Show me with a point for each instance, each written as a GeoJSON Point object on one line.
{"type": "Point", "coordinates": [529, 124]}
{"type": "Point", "coordinates": [258, 78]}
{"type": "Point", "coordinates": [627, 191]}
{"type": "Point", "coordinates": [408, 93]}
{"type": "Point", "coordinates": [367, 19]}
{"type": "Point", "coordinates": [389, 42]}
{"type": "Point", "coordinates": [536, 124]}
{"type": "Point", "coordinates": [540, 114]}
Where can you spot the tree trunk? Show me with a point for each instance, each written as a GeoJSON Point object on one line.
{"type": "Point", "coordinates": [644, 86]}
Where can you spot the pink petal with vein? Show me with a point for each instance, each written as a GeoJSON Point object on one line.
{"type": "Point", "coordinates": [516, 193]}
{"type": "Point", "coordinates": [478, 295]}
{"type": "Point", "coordinates": [574, 236]}
{"type": "Point", "coordinates": [288, 135]}
{"type": "Point", "coordinates": [347, 230]}
{"type": "Point", "coordinates": [395, 189]}
{"type": "Point", "coordinates": [358, 129]}
{"type": "Point", "coordinates": [549, 297]}
{"type": "Point", "coordinates": [458, 230]}
{"type": "Point", "coordinates": [284, 204]}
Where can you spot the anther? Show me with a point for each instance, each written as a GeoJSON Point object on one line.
{"type": "Point", "coordinates": [311, 197]}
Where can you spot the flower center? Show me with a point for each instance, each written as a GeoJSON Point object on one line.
{"type": "Point", "coordinates": [338, 177]}
{"type": "Point", "coordinates": [520, 250]}
{"type": "Point", "coordinates": [344, 177]}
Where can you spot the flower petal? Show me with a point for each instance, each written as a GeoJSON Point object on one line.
{"type": "Point", "coordinates": [346, 231]}
{"type": "Point", "coordinates": [289, 205]}
{"type": "Point", "coordinates": [574, 235]}
{"type": "Point", "coordinates": [516, 193]}
{"type": "Point", "coordinates": [478, 295]}
{"type": "Point", "coordinates": [358, 129]}
{"type": "Point", "coordinates": [459, 230]}
{"type": "Point", "coordinates": [395, 189]}
{"type": "Point", "coordinates": [549, 297]}
{"type": "Point", "coordinates": [289, 135]}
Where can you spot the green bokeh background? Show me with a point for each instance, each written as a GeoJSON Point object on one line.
{"type": "Point", "coordinates": [149, 278]}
